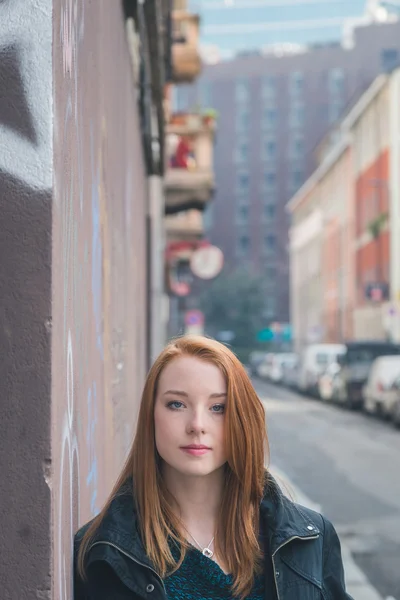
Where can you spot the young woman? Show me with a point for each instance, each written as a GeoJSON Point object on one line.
{"type": "Point", "coordinates": [194, 514]}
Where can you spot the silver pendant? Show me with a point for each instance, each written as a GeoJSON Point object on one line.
{"type": "Point", "coordinates": [207, 552]}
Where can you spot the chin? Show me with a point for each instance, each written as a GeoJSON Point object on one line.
{"type": "Point", "coordinates": [194, 470]}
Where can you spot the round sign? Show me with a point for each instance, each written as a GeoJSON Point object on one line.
{"type": "Point", "coordinates": [207, 262]}
{"type": "Point", "coordinates": [194, 317]}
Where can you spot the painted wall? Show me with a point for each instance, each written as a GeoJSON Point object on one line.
{"type": "Point", "coordinates": [306, 272]}
{"type": "Point", "coordinates": [338, 261]}
{"type": "Point", "coordinates": [99, 246]}
{"type": "Point", "coordinates": [25, 297]}
{"type": "Point", "coordinates": [73, 340]}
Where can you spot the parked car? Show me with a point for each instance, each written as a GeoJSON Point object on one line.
{"type": "Point", "coordinates": [327, 382]}
{"type": "Point", "coordinates": [395, 407]}
{"type": "Point", "coordinates": [290, 372]}
{"type": "Point", "coordinates": [314, 361]}
{"type": "Point", "coordinates": [355, 365]}
{"type": "Point", "coordinates": [264, 368]}
{"type": "Point", "coordinates": [278, 363]}
{"type": "Point", "coordinates": [255, 360]}
{"type": "Point", "coordinates": [377, 392]}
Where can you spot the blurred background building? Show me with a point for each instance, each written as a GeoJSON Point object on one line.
{"type": "Point", "coordinates": [274, 108]}
{"type": "Point", "coordinates": [345, 228]}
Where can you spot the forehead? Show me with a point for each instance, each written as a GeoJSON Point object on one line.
{"type": "Point", "coordinates": [190, 374]}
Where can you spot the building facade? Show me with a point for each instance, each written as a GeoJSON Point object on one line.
{"type": "Point", "coordinates": [357, 189]}
{"type": "Point", "coordinates": [273, 112]}
{"type": "Point", "coordinates": [233, 26]}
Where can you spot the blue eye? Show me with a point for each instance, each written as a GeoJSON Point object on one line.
{"type": "Point", "coordinates": [174, 405]}
{"type": "Point", "coordinates": [218, 408]}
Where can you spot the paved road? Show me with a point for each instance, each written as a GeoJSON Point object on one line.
{"type": "Point", "coordinates": [350, 465]}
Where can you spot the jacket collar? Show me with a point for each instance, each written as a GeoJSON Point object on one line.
{"type": "Point", "coordinates": [282, 519]}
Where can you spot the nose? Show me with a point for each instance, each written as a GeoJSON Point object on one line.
{"type": "Point", "coordinates": [196, 421]}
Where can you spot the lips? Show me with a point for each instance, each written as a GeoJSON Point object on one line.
{"type": "Point", "coordinates": [196, 449]}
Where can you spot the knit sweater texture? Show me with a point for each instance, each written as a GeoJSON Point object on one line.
{"type": "Point", "coordinates": [200, 578]}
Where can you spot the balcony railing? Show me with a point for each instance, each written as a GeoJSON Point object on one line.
{"type": "Point", "coordinates": [189, 180]}
{"type": "Point", "coordinates": [186, 60]}
{"type": "Point", "coordinates": [184, 226]}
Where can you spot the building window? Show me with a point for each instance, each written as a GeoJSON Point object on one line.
{"type": "Point", "coordinates": [268, 87]}
{"type": "Point", "coordinates": [243, 245]}
{"type": "Point", "coordinates": [335, 110]}
{"type": "Point", "coordinates": [205, 94]}
{"type": "Point", "coordinates": [269, 149]}
{"type": "Point", "coordinates": [269, 212]}
{"type": "Point", "coordinates": [336, 81]}
{"type": "Point", "coordinates": [270, 306]}
{"type": "Point", "coordinates": [390, 59]}
{"type": "Point", "coordinates": [296, 147]}
{"type": "Point", "coordinates": [243, 182]}
{"type": "Point", "coordinates": [242, 214]}
{"type": "Point", "coordinates": [180, 98]}
{"type": "Point", "coordinates": [270, 273]}
{"type": "Point", "coordinates": [297, 114]}
{"type": "Point", "coordinates": [242, 120]}
{"type": "Point", "coordinates": [296, 83]}
{"type": "Point", "coordinates": [270, 180]}
{"type": "Point", "coordinates": [270, 118]}
{"type": "Point", "coordinates": [242, 151]}
{"type": "Point", "coordinates": [269, 243]}
{"type": "Point", "coordinates": [208, 217]}
{"type": "Point", "coordinates": [297, 179]}
{"type": "Point", "coordinates": [242, 91]}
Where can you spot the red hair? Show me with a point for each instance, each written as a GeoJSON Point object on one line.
{"type": "Point", "coordinates": [246, 447]}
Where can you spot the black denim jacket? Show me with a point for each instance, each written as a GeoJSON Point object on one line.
{"type": "Point", "coordinates": [304, 551]}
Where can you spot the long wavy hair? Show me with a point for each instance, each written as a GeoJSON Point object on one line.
{"type": "Point", "coordinates": [236, 537]}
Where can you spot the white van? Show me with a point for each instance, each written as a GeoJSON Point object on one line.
{"type": "Point", "coordinates": [314, 360]}
{"type": "Point", "coordinates": [377, 393]}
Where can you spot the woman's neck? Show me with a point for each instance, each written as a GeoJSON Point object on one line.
{"type": "Point", "coordinates": [198, 501]}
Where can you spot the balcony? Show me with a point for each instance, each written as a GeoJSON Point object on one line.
{"type": "Point", "coordinates": [185, 226]}
{"type": "Point", "coordinates": [189, 180]}
{"type": "Point", "coordinates": [186, 61]}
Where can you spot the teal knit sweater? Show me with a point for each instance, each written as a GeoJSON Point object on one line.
{"type": "Point", "coordinates": [200, 578]}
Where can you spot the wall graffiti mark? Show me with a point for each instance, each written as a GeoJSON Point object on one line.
{"type": "Point", "coordinates": [97, 249]}
{"type": "Point", "coordinates": [25, 108]}
{"type": "Point", "coordinates": [92, 476]}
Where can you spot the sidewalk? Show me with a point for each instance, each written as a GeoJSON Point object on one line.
{"type": "Point", "coordinates": [358, 585]}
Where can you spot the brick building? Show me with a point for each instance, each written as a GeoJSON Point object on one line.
{"type": "Point", "coordinates": [355, 192]}
{"type": "Point", "coordinates": [273, 112]}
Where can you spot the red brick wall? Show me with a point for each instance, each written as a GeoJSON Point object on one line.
{"type": "Point", "coordinates": [372, 200]}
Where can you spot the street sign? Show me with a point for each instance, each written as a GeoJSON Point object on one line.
{"type": "Point", "coordinates": [194, 317]}
{"type": "Point", "coordinates": [207, 262]}
{"type": "Point", "coordinates": [377, 292]}
{"type": "Point", "coordinates": [265, 335]}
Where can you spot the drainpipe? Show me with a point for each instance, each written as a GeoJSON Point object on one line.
{"type": "Point", "coordinates": [395, 202]}
{"type": "Point", "coordinates": [156, 297]}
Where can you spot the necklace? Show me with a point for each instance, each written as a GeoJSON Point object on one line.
{"type": "Point", "coordinates": [205, 551]}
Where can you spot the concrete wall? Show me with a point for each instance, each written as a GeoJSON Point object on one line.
{"type": "Point", "coordinates": [25, 297]}
{"type": "Point", "coordinates": [73, 339]}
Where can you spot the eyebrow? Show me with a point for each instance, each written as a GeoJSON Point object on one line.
{"type": "Point", "coordinates": [185, 395]}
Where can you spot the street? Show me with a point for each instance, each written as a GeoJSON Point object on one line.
{"type": "Point", "coordinates": [349, 464]}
